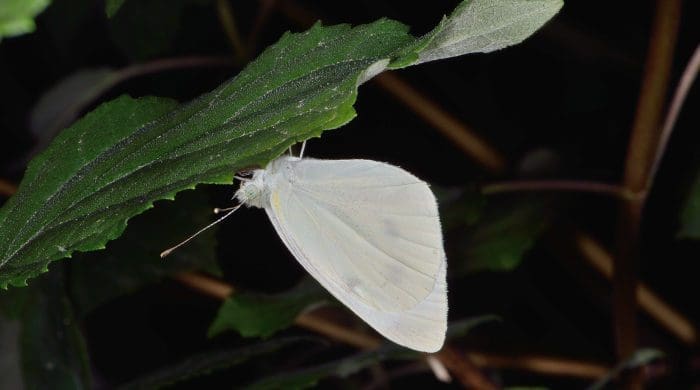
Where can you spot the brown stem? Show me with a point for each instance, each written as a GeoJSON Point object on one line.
{"type": "Point", "coordinates": [640, 153]}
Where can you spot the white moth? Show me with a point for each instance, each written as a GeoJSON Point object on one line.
{"type": "Point", "coordinates": [369, 232]}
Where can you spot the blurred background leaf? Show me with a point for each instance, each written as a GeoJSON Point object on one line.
{"type": "Point", "coordinates": [17, 16]}
{"type": "Point", "coordinates": [262, 315]}
{"type": "Point", "coordinates": [112, 6]}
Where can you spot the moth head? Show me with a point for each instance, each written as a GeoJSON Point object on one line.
{"type": "Point", "coordinates": [252, 191]}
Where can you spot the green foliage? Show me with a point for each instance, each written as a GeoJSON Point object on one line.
{"type": "Point", "coordinates": [261, 315]}
{"type": "Point", "coordinates": [79, 192]}
{"type": "Point", "coordinates": [690, 216]}
{"type": "Point", "coordinates": [504, 235]}
{"type": "Point", "coordinates": [75, 201]}
{"type": "Point", "coordinates": [17, 16]}
{"type": "Point", "coordinates": [497, 231]}
{"type": "Point", "coordinates": [481, 26]}
{"type": "Point", "coordinates": [112, 7]}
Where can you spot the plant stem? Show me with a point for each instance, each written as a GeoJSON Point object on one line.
{"type": "Point", "coordinates": [640, 153]}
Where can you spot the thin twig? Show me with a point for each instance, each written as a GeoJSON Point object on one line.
{"type": "Point", "coordinates": [686, 81]}
{"type": "Point", "coordinates": [557, 185]}
{"type": "Point", "coordinates": [640, 153]}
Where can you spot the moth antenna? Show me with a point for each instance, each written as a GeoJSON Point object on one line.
{"type": "Point", "coordinates": [241, 178]}
{"type": "Point", "coordinates": [290, 151]}
{"type": "Point", "coordinates": [301, 152]}
{"type": "Point", "coordinates": [169, 250]}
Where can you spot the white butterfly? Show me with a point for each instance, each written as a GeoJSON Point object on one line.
{"type": "Point", "coordinates": [369, 232]}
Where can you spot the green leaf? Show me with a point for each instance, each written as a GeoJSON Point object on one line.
{"type": "Point", "coordinates": [504, 234]}
{"type": "Point", "coordinates": [132, 262]}
{"type": "Point", "coordinates": [54, 354]}
{"type": "Point", "coordinates": [261, 315]}
{"type": "Point", "coordinates": [116, 161]}
{"type": "Point", "coordinates": [112, 7]}
{"type": "Point", "coordinates": [73, 200]}
{"type": "Point", "coordinates": [480, 26]}
{"type": "Point", "coordinates": [211, 361]}
{"type": "Point", "coordinates": [17, 16]}
{"type": "Point", "coordinates": [690, 215]}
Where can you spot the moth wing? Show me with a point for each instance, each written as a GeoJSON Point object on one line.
{"type": "Point", "coordinates": [370, 233]}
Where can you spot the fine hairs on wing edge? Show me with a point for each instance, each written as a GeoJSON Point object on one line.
{"type": "Point", "coordinates": [229, 210]}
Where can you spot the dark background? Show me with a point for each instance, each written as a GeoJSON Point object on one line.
{"type": "Point", "coordinates": [570, 92]}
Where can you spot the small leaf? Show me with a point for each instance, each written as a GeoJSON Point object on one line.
{"type": "Point", "coordinates": [690, 216]}
{"type": "Point", "coordinates": [502, 236]}
{"type": "Point", "coordinates": [482, 26]}
{"type": "Point", "coordinates": [132, 262]}
{"type": "Point", "coordinates": [211, 361]}
{"type": "Point", "coordinates": [112, 7]}
{"type": "Point", "coordinates": [17, 16]}
{"type": "Point", "coordinates": [260, 315]}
